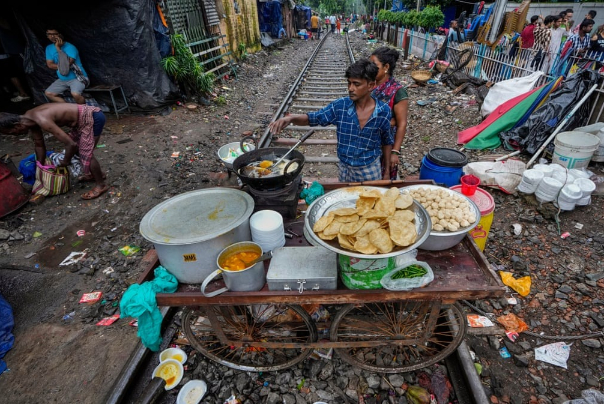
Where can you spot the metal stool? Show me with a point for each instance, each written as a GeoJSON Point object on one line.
{"type": "Point", "coordinates": [109, 89]}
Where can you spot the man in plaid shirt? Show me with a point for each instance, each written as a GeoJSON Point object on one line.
{"type": "Point", "coordinates": [363, 126]}
{"type": "Point", "coordinates": [580, 41]}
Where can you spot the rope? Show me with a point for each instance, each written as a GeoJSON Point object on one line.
{"type": "Point", "coordinates": [492, 317]}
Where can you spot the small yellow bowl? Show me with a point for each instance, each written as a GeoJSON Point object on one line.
{"type": "Point", "coordinates": [171, 371]}
{"type": "Point", "coordinates": [173, 353]}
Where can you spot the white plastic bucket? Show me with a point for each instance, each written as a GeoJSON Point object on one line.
{"type": "Point", "coordinates": [574, 149]}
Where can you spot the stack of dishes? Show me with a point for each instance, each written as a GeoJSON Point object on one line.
{"type": "Point", "coordinates": [548, 189]}
{"type": "Point", "coordinates": [579, 173]}
{"type": "Point", "coordinates": [267, 229]}
{"type": "Point", "coordinates": [587, 186]}
{"type": "Point", "coordinates": [563, 176]}
{"type": "Point", "coordinates": [547, 170]}
{"type": "Point", "coordinates": [530, 181]}
{"type": "Point", "coordinates": [569, 195]}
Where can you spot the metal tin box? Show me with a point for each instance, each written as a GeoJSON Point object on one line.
{"type": "Point", "coordinates": [303, 268]}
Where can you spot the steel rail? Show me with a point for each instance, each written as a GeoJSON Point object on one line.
{"type": "Point", "coordinates": [267, 137]}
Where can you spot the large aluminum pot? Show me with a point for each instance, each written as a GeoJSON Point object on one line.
{"type": "Point", "coordinates": [191, 229]}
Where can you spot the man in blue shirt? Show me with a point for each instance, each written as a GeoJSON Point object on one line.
{"type": "Point", "coordinates": [363, 126]}
{"type": "Point", "coordinates": [76, 80]}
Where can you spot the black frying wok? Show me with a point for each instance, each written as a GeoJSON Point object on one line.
{"type": "Point", "coordinates": [272, 154]}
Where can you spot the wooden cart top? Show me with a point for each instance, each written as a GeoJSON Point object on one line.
{"type": "Point", "coordinates": [460, 273]}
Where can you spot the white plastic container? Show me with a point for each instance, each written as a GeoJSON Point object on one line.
{"type": "Point", "coordinates": [530, 181]}
{"type": "Point", "coordinates": [544, 168]}
{"type": "Point", "coordinates": [173, 353]}
{"type": "Point", "coordinates": [599, 153]}
{"type": "Point", "coordinates": [574, 149]}
{"type": "Point", "coordinates": [267, 230]}
{"type": "Point", "coordinates": [548, 189]}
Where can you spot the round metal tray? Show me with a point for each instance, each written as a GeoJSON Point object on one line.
{"type": "Point", "coordinates": [347, 198]}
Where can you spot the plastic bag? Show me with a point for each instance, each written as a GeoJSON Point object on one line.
{"type": "Point", "coordinates": [313, 192]}
{"type": "Point", "coordinates": [520, 285]}
{"type": "Point", "coordinates": [389, 283]}
{"type": "Point", "coordinates": [588, 397]}
{"type": "Point", "coordinates": [512, 323]}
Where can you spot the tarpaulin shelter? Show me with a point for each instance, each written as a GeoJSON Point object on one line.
{"type": "Point", "coordinates": [530, 136]}
{"type": "Point", "coordinates": [115, 39]}
{"type": "Point", "coordinates": [271, 18]}
{"type": "Point", "coordinates": [302, 17]}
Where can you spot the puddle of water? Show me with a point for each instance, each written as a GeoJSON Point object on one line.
{"type": "Point", "coordinates": [57, 248]}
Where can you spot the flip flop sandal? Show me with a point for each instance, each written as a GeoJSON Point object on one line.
{"type": "Point", "coordinates": [95, 193]}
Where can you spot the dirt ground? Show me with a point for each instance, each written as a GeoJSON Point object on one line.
{"type": "Point", "coordinates": [72, 360]}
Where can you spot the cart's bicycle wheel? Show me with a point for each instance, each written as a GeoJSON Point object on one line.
{"type": "Point", "coordinates": [422, 333]}
{"type": "Point", "coordinates": [207, 327]}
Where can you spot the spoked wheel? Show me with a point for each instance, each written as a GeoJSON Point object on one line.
{"type": "Point", "coordinates": [245, 329]}
{"type": "Point", "coordinates": [407, 335]}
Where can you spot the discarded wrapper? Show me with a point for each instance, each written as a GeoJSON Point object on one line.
{"type": "Point", "coordinates": [129, 250]}
{"type": "Point", "coordinates": [133, 323]}
{"type": "Point", "coordinates": [109, 320]}
{"type": "Point", "coordinates": [504, 352]}
{"type": "Point", "coordinates": [175, 154]}
{"type": "Point", "coordinates": [91, 298]}
{"type": "Point", "coordinates": [565, 234]}
{"type": "Point", "coordinates": [476, 321]}
{"type": "Point", "coordinates": [81, 233]}
{"type": "Point", "coordinates": [512, 335]}
{"type": "Point", "coordinates": [556, 353]}
{"type": "Point", "coordinates": [73, 258]}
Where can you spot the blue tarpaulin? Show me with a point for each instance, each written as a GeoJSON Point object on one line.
{"type": "Point", "coordinates": [7, 339]}
{"type": "Point", "coordinates": [270, 18]}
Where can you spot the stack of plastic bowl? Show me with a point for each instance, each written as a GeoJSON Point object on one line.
{"type": "Point", "coordinates": [548, 189]}
{"type": "Point", "coordinates": [267, 229]}
{"type": "Point", "coordinates": [579, 173]}
{"type": "Point", "coordinates": [587, 187]}
{"type": "Point", "coordinates": [563, 176]}
{"type": "Point", "coordinates": [569, 195]}
{"type": "Point", "coordinates": [546, 169]}
{"type": "Point", "coordinates": [530, 181]}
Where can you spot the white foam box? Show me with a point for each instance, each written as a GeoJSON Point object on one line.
{"type": "Point", "coordinates": [300, 269]}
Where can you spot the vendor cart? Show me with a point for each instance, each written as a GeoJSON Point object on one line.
{"type": "Point", "coordinates": [378, 330]}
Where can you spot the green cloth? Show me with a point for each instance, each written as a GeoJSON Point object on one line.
{"type": "Point", "coordinates": [139, 301]}
{"type": "Point", "coordinates": [489, 137]}
{"type": "Point", "coordinates": [313, 192]}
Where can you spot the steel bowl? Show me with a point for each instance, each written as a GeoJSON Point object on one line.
{"type": "Point", "coordinates": [347, 198]}
{"type": "Point", "coordinates": [443, 240]}
{"type": "Point", "coordinates": [223, 153]}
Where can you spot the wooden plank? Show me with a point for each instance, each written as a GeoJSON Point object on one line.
{"type": "Point", "coordinates": [205, 40]}
{"type": "Point", "coordinates": [211, 50]}
{"type": "Point", "coordinates": [217, 67]}
{"type": "Point", "coordinates": [291, 142]}
{"type": "Point", "coordinates": [311, 159]}
{"type": "Point", "coordinates": [205, 62]}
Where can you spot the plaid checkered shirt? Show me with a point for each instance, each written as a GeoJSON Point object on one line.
{"type": "Point", "coordinates": [578, 43]}
{"type": "Point", "coordinates": [356, 147]}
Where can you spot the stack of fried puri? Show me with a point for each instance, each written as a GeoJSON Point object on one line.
{"type": "Point", "coordinates": [380, 222]}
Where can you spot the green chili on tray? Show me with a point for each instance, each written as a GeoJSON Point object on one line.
{"type": "Point", "coordinates": [412, 271]}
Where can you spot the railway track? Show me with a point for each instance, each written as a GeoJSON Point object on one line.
{"type": "Point", "coordinates": [320, 82]}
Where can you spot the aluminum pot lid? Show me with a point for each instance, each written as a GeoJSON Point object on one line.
{"type": "Point", "coordinates": [196, 216]}
{"type": "Point", "coordinates": [445, 157]}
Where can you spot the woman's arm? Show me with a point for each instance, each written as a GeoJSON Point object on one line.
{"type": "Point", "coordinates": [400, 115]}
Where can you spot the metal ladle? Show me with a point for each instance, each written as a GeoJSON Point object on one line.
{"type": "Point", "coordinates": [302, 140]}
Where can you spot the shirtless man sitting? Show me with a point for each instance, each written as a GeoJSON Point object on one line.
{"type": "Point", "coordinates": [87, 123]}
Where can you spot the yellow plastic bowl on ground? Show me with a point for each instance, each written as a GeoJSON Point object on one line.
{"type": "Point", "coordinates": [486, 205]}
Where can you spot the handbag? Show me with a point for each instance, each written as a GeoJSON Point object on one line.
{"type": "Point", "coordinates": [50, 180]}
